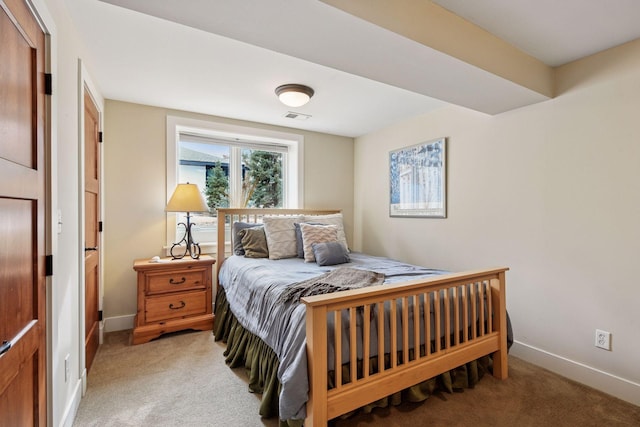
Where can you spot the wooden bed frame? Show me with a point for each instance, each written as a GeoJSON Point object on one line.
{"type": "Point", "coordinates": [480, 293]}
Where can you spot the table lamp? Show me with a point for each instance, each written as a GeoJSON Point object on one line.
{"type": "Point", "coordinates": [187, 198]}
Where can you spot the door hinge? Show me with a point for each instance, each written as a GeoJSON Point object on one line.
{"type": "Point", "coordinates": [100, 136]}
{"type": "Point", "coordinates": [48, 84]}
{"type": "Point", "coordinates": [99, 226]}
{"type": "Point", "coordinates": [48, 265]}
{"type": "Point", "coordinates": [100, 315]}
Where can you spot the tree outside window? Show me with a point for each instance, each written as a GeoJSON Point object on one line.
{"type": "Point", "coordinates": [261, 182]}
{"type": "Point", "coordinates": [217, 188]}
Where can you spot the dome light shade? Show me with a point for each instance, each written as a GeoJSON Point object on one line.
{"type": "Point", "coordinates": [294, 95]}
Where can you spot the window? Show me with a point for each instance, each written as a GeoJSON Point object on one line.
{"type": "Point", "coordinates": [234, 167]}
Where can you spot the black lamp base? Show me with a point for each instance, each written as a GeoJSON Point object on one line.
{"type": "Point", "coordinates": [190, 247]}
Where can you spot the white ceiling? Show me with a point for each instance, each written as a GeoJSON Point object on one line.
{"type": "Point", "coordinates": [554, 31]}
{"type": "Point", "coordinates": [226, 57]}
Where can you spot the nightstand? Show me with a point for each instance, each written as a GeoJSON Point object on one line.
{"type": "Point", "coordinates": [173, 295]}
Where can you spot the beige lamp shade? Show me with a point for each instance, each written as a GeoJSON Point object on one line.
{"type": "Point", "coordinates": [187, 198]}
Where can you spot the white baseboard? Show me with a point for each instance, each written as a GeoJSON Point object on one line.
{"type": "Point", "coordinates": [72, 408]}
{"type": "Point", "coordinates": [119, 323]}
{"type": "Point", "coordinates": [83, 380]}
{"type": "Point", "coordinates": [579, 372]}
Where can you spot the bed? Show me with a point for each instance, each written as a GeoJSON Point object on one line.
{"type": "Point", "coordinates": [411, 325]}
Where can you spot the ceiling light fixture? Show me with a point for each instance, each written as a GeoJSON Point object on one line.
{"type": "Point", "coordinates": [294, 95]}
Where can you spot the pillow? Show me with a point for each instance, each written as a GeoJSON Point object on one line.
{"type": "Point", "coordinates": [316, 234]}
{"type": "Point", "coordinates": [335, 219]}
{"type": "Point", "coordinates": [299, 245]}
{"type": "Point", "coordinates": [330, 253]}
{"type": "Point", "coordinates": [281, 235]}
{"type": "Point", "coordinates": [254, 242]}
{"type": "Point", "coordinates": [236, 240]}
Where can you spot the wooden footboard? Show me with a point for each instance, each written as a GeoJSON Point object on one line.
{"type": "Point", "coordinates": [468, 320]}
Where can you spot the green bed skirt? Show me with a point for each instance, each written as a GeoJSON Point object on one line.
{"type": "Point", "coordinates": [261, 365]}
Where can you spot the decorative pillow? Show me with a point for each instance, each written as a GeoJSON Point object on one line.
{"type": "Point", "coordinates": [281, 235]}
{"type": "Point", "coordinates": [299, 245]}
{"type": "Point", "coordinates": [254, 242]}
{"type": "Point", "coordinates": [335, 219]}
{"type": "Point", "coordinates": [236, 240]}
{"type": "Point", "coordinates": [330, 253]}
{"type": "Point", "coordinates": [316, 234]}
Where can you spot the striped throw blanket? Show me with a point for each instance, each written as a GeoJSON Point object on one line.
{"type": "Point", "coordinates": [340, 279]}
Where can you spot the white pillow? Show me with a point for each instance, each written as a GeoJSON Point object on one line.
{"type": "Point", "coordinates": [335, 219]}
{"type": "Point", "coordinates": [281, 235]}
{"type": "Point", "coordinates": [316, 234]}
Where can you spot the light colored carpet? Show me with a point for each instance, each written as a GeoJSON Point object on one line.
{"type": "Point", "coordinates": [182, 380]}
{"type": "Point", "coordinates": [178, 380]}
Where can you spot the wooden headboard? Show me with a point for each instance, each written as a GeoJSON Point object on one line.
{"type": "Point", "coordinates": [253, 215]}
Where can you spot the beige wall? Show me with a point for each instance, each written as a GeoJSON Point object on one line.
{"type": "Point", "coordinates": [551, 191]}
{"type": "Point", "coordinates": [135, 191]}
{"type": "Point", "coordinates": [65, 311]}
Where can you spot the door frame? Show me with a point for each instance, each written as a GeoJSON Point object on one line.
{"type": "Point", "coordinates": [45, 19]}
{"type": "Point", "coordinates": [85, 83]}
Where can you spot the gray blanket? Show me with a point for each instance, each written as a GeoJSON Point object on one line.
{"type": "Point", "coordinates": [340, 279]}
{"type": "Point", "coordinates": [253, 288]}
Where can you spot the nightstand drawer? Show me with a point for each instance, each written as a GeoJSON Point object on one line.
{"type": "Point", "coordinates": [175, 281]}
{"type": "Point", "coordinates": [172, 306]}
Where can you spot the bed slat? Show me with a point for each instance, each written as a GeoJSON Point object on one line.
{"type": "Point", "coordinates": [337, 321]}
{"type": "Point", "coordinates": [416, 327]}
{"type": "Point", "coordinates": [437, 321]}
{"type": "Point", "coordinates": [353, 344]}
{"type": "Point", "coordinates": [405, 330]}
{"type": "Point", "coordinates": [380, 313]}
{"type": "Point", "coordinates": [366, 345]}
{"type": "Point", "coordinates": [393, 335]}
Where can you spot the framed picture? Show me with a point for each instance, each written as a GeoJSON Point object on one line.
{"type": "Point", "coordinates": [418, 180]}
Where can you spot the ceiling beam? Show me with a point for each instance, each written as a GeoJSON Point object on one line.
{"type": "Point", "coordinates": [434, 26]}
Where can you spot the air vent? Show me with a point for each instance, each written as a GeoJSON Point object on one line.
{"type": "Point", "coordinates": [297, 116]}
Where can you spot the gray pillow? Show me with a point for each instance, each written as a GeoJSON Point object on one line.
{"type": "Point", "coordinates": [254, 242]}
{"type": "Point", "coordinates": [235, 237]}
{"type": "Point", "coordinates": [330, 253]}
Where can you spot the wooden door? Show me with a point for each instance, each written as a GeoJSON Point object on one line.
{"type": "Point", "coordinates": [91, 231]}
{"type": "Point", "coordinates": [22, 217]}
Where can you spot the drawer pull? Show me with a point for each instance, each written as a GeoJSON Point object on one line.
{"type": "Point", "coordinates": [173, 282]}
{"type": "Point", "coordinates": [171, 306]}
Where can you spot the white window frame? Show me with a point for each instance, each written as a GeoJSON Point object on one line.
{"type": "Point", "coordinates": [293, 172]}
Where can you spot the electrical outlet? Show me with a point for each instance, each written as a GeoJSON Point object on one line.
{"type": "Point", "coordinates": [67, 368]}
{"type": "Point", "coordinates": [603, 339]}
